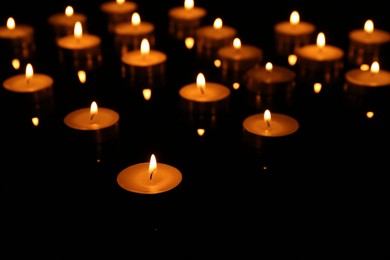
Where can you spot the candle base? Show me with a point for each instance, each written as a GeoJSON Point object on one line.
{"type": "Point", "coordinates": [153, 76]}
{"type": "Point", "coordinates": [359, 53]}
{"type": "Point", "coordinates": [89, 60]}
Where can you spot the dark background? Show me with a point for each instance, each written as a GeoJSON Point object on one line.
{"type": "Point", "coordinates": [324, 195]}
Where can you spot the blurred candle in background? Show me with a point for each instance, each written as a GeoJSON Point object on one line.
{"type": "Point", "coordinates": [62, 24]}
{"type": "Point", "coordinates": [117, 11]}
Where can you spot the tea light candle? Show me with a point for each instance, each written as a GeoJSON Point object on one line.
{"type": "Point", "coordinates": [320, 61]}
{"type": "Point", "coordinates": [17, 41]}
{"type": "Point", "coordinates": [95, 124]}
{"type": "Point", "coordinates": [128, 35]}
{"type": "Point", "coordinates": [63, 24]}
{"type": "Point", "coordinates": [184, 20]}
{"type": "Point", "coordinates": [263, 130]}
{"type": "Point", "coordinates": [236, 59]}
{"type": "Point", "coordinates": [149, 178]}
{"type": "Point", "coordinates": [292, 34]}
{"type": "Point", "coordinates": [367, 45]}
{"type": "Point", "coordinates": [204, 97]}
{"type": "Point", "coordinates": [144, 66]}
{"type": "Point", "coordinates": [81, 51]}
{"type": "Point", "coordinates": [210, 38]}
{"type": "Point", "coordinates": [117, 12]}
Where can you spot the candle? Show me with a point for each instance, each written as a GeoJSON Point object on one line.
{"type": "Point", "coordinates": [117, 12]}
{"type": "Point", "coordinates": [268, 131]}
{"type": "Point", "coordinates": [367, 45]}
{"type": "Point", "coordinates": [128, 35]}
{"type": "Point", "coordinates": [63, 24]}
{"type": "Point", "coordinates": [210, 38]}
{"type": "Point", "coordinates": [94, 124]}
{"type": "Point", "coordinates": [31, 91]}
{"type": "Point", "coordinates": [80, 51]}
{"type": "Point", "coordinates": [203, 97]}
{"type": "Point", "coordinates": [144, 67]}
{"type": "Point", "coordinates": [236, 59]}
{"type": "Point", "coordinates": [17, 41]}
{"type": "Point", "coordinates": [149, 178]}
{"type": "Point", "coordinates": [184, 20]}
{"type": "Point", "coordinates": [269, 83]}
{"type": "Point", "coordinates": [292, 34]}
{"type": "Point", "coordinates": [320, 61]}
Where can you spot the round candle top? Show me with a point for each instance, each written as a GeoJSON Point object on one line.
{"type": "Point", "coordinates": [368, 78]}
{"type": "Point", "coordinates": [182, 13]}
{"type": "Point", "coordinates": [19, 83]}
{"type": "Point", "coordinates": [136, 178]}
{"type": "Point", "coordinates": [375, 37]}
{"type": "Point", "coordinates": [279, 125]}
{"type": "Point", "coordinates": [289, 28]}
{"type": "Point", "coordinates": [325, 53]}
{"type": "Point", "coordinates": [244, 52]}
{"type": "Point", "coordinates": [82, 119]}
{"type": "Point", "coordinates": [211, 32]}
{"type": "Point", "coordinates": [116, 8]}
{"type": "Point", "coordinates": [128, 28]}
{"type": "Point", "coordinates": [61, 19]}
{"type": "Point", "coordinates": [86, 41]}
{"type": "Point", "coordinates": [19, 31]}
{"type": "Point", "coordinates": [275, 75]}
{"type": "Point", "coordinates": [139, 59]}
{"type": "Point", "coordinates": [212, 92]}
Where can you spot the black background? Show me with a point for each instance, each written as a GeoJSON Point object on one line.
{"type": "Point", "coordinates": [325, 195]}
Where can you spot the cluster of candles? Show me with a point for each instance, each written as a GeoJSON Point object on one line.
{"type": "Point", "coordinates": [239, 64]}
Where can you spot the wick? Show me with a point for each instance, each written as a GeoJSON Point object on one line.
{"type": "Point", "coordinates": [92, 116]}
{"type": "Point", "coordinates": [268, 123]}
{"type": "Point", "coordinates": [151, 174]}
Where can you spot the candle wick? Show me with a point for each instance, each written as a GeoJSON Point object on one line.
{"type": "Point", "coordinates": [92, 115]}
{"type": "Point", "coordinates": [268, 123]}
{"type": "Point", "coordinates": [151, 174]}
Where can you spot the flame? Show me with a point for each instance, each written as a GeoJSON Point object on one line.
{"type": "Point", "coordinates": [201, 82]}
{"type": "Point", "coordinates": [147, 93]}
{"type": "Point", "coordinates": [69, 11]}
{"type": "Point", "coordinates": [269, 66]}
{"type": "Point", "coordinates": [119, 2]}
{"type": "Point", "coordinates": [16, 64]}
{"type": "Point", "coordinates": [29, 71]}
{"type": "Point", "coordinates": [292, 59]}
{"type": "Point", "coordinates": [364, 67]}
{"type": "Point", "coordinates": [200, 131]}
{"type": "Point", "coordinates": [267, 117]}
{"type": "Point", "coordinates": [369, 26]}
{"type": "Point", "coordinates": [35, 121]}
{"type": "Point", "coordinates": [189, 42]}
{"type": "Point", "coordinates": [237, 43]}
{"type": "Point", "coordinates": [11, 23]}
{"type": "Point", "coordinates": [152, 166]}
{"type": "Point", "coordinates": [294, 18]}
{"type": "Point", "coordinates": [188, 4]}
{"type": "Point", "coordinates": [145, 47]}
{"type": "Point", "coordinates": [236, 85]}
{"type": "Point", "coordinates": [93, 109]}
{"type": "Point", "coordinates": [321, 40]}
{"type": "Point", "coordinates": [370, 114]}
{"type": "Point", "coordinates": [82, 76]}
{"type": "Point", "coordinates": [218, 23]}
{"type": "Point", "coordinates": [217, 63]}
{"type": "Point", "coordinates": [375, 67]}
{"type": "Point", "coordinates": [135, 19]}
{"type": "Point", "coordinates": [78, 30]}
{"type": "Point", "coordinates": [317, 87]}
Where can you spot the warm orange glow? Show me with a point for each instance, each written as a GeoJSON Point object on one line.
{"type": "Point", "coordinates": [237, 43]}
{"type": "Point", "coordinates": [119, 2]}
{"type": "Point", "coordinates": [78, 30]}
{"type": "Point", "coordinates": [236, 85]}
{"type": "Point", "coordinates": [11, 23]}
{"type": "Point", "coordinates": [147, 93]}
{"type": "Point", "coordinates": [201, 82]}
{"type": "Point", "coordinates": [188, 4]}
{"type": "Point", "coordinates": [93, 109]}
{"type": "Point", "coordinates": [29, 72]}
{"type": "Point", "coordinates": [152, 166]}
{"type": "Point", "coordinates": [317, 87]}
{"type": "Point", "coordinates": [189, 42]}
{"type": "Point", "coordinates": [145, 47]}
{"type": "Point", "coordinates": [375, 67]}
{"type": "Point", "coordinates": [69, 11]}
{"type": "Point", "coordinates": [218, 23]}
{"type": "Point", "coordinates": [217, 63]}
{"type": "Point", "coordinates": [267, 117]}
{"type": "Point", "coordinates": [16, 64]}
{"type": "Point", "coordinates": [201, 131]}
{"type": "Point", "coordinates": [135, 19]}
{"type": "Point", "coordinates": [321, 40]}
{"type": "Point", "coordinates": [369, 26]}
{"type": "Point", "coordinates": [82, 76]}
{"type": "Point", "coordinates": [364, 67]}
{"type": "Point", "coordinates": [292, 59]}
{"type": "Point", "coordinates": [269, 66]}
{"type": "Point", "coordinates": [294, 17]}
{"type": "Point", "coordinates": [35, 121]}
{"type": "Point", "coordinates": [370, 114]}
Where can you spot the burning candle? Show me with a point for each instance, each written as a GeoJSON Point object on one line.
{"type": "Point", "coordinates": [80, 51]}
{"type": "Point", "coordinates": [184, 20]}
{"type": "Point", "coordinates": [320, 61]}
{"type": "Point", "coordinates": [117, 12]}
{"type": "Point", "coordinates": [367, 45]}
{"type": "Point", "coordinates": [149, 178]}
{"type": "Point", "coordinates": [204, 97]}
{"type": "Point", "coordinates": [128, 35]}
{"type": "Point", "coordinates": [292, 34]}
{"type": "Point", "coordinates": [144, 67]}
{"type": "Point", "coordinates": [63, 24]}
{"type": "Point", "coordinates": [210, 38]}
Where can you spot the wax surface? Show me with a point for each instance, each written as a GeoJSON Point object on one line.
{"type": "Point", "coordinates": [327, 53]}
{"type": "Point", "coordinates": [180, 13]}
{"type": "Point", "coordinates": [376, 37]}
{"type": "Point", "coordinates": [19, 31]}
{"type": "Point", "coordinates": [277, 75]}
{"type": "Point", "coordinates": [136, 178]}
{"type": "Point", "coordinates": [114, 8]}
{"type": "Point", "coordinates": [85, 42]}
{"type": "Point", "coordinates": [213, 92]}
{"type": "Point", "coordinates": [246, 52]}
{"type": "Point", "coordinates": [81, 119]}
{"type": "Point", "coordinates": [61, 19]}
{"type": "Point", "coordinates": [366, 78]}
{"type": "Point", "coordinates": [135, 58]}
{"type": "Point", "coordinates": [19, 83]}
{"type": "Point", "coordinates": [128, 28]}
{"type": "Point", "coordinates": [210, 32]}
{"type": "Point", "coordinates": [294, 29]}
{"type": "Point", "coordinates": [281, 125]}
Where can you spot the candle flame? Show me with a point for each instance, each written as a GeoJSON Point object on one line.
{"type": "Point", "coordinates": [217, 63]}
{"type": "Point", "coordinates": [269, 66]}
{"type": "Point", "coordinates": [370, 114]}
{"type": "Point", "coordinates": [200, 131]}
{"type": "Point", "coordinates": [369, 26]}
{"type": "Point", "coordinates": [119, 2]}
{"type": "Point", "coordinates": [69, 11]}
{"type": "Point", "coordinates": [11, 23]}
{"type": "Point", "coordinates": [236, 85]}
{"type": "Point", "coordinates": [93, 109]}
{"type": "Point", "coordinates": [152, 166]}
{"type": "Point", "coordinates": [375, 68]}
{"type": "Point", "coordinates": [135, 19]}
{"type": "Point", "coordinates": [321, 40]}
{"type": "Point", "coordinates": [16, 64]}
{"type": "Point", "coordinates": [237, 43]}
{"type": "Point", "coordinates": [145, 47]}
{"type": "Point", "coordinates": [267, 117]}
{"type": "Point", "coordinates": [294, 18]}
{"type": "Point", "coordinates": [29, 72]}
{"type": "Point", "coordinates": [292, 59]}
{"type": "Point", "coordinates": [218, 23]}
{"type": "Point", "coordinates": [364, 67]}
{"type": "Point", "coordinates": [317, 87]}
{"type": "Point", "coordinates": [147, 93]}
{"type": "Point", "coordinates": [188, 4]}
{"type": "Point", "coordinates": [78, 30]}
{"type": "Point", "coordinates": [35, 121]}
{"type": "Point", "coordinates": [189, 42]}
{"type": "Point", "coordinates": [82, 76]}
{"type": "Point", "coordinates": [201, 82]}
